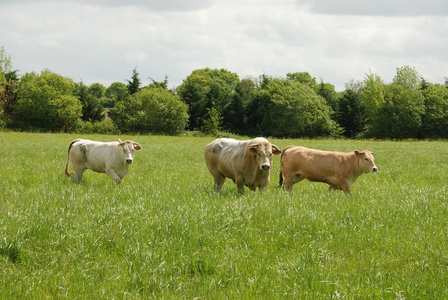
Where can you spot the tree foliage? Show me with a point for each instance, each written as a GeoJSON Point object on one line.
{"type": "Point", "coordinates": [117, 91]}
{"type": "Point", "coordinates": [8, 87]}
{"type": "Point", "coordinates": [288, 108]}
{"type": "Point", "coordinates": [435, 119]}
{"type": "Point", "coordinates": [92, 109]}
{"type": "Point", "coordinates": [155, 110]}
{"type": "Point", "coordinates": [215, 100]}
{"type": "Point", "coordinates": [46, 101]}
{"type": "Point", "coordinates": [401, 114]}
{"type": "Point", "coordinates": [394, 110]}
{"type": "Point", "coordinates": [349, 114]}
{"type": "Point", "coordinates": [134, 84]}
{"type": "Point", "coordinates": [303, 77]}
{"type": "Point", "coordinates": [207, 88]}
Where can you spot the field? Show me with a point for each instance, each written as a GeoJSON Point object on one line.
{"type": "Point", "coordinates": [164, 234]}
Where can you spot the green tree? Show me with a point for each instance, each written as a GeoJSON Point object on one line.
{"type": "Point", "coordinates": [89, 97]}
{"type": "Point", "coordinates": [288, 108]}
{"type": "Point", "coordinates": [305, 78]}
{"type": "Point", "coordinates": [248, 87]}
{"type": "Point", "coordinates": [159, 84]}
{"type": "Point", "coordinates": [235, 110]}
{"type": "Point", "coordinates": [435, 120]}
{"type": "Point", "coordinates": [193, 91]}
{"type": "Point", "coordinates": [401, 114]}
{"type": "Point", "coordinates": [349, 114]}
{"type": "Point", "coordinates": [46, 101]}
{"type": "Point", "coordinates": [5, 61]}
{"type": "Point", "coordinates": [212, 123]}
{"type": "Point", "coordinates": [327, 91]}
{"type": "Point", "coordinates": [155, 110]}
{"type": "Point", "coordinates": [372, 98]}
{"type": "Point", "coordinates": [117, 91]}
{"type": "Point", "coordinates": [134, 84]}
{"type": "Point", "coordinates": [207, 88]}
{"type": "Point", "coordinates": [97, 90]}
{"type": "Point", "coordinates": [8, 87]}
{"type": "Point", "coordinates": [408, 77]}
{"type": "Point", "coordinates": [8, 94]}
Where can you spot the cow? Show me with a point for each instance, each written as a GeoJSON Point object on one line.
{"type": "Point", "coordinates": [112, 158]}
{"type": "Point", "coordinates": [246, 162]}
{"type": "Point", "coordinates": [338, 169]}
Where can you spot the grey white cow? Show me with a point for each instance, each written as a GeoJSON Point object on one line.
{"type": "Point", "coordinates": [245, 162]}
{"type": "Point", "coordinates": [112, 158]}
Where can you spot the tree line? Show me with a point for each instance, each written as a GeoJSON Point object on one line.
{"type": "Point", "coordinates": [217, 101]}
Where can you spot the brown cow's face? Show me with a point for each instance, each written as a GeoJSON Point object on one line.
{"type": "Point", "coordinates": [263, 154]}
{"type": "Point", "coordinates": [128, 150]}
{"type": "Point", "coordinates": [366, 161]}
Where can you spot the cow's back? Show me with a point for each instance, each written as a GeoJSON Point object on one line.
{"type": "Point", "coordinates": [224, 154]}
{"type": "Point", "coordinates": [94, 155]}
{"type": "Point", "coordinates": [315, 165]}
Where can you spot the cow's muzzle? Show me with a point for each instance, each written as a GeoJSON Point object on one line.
{"type": "Point", "coordinates": [375, 169]}
{"type": "Point", "coordinates": [265, 167]}
{"type": "Point", "coordinates": [129, 161]}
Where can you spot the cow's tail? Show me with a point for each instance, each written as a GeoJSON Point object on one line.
{"type": "Point", "coordinates": [280, 180]}
{"type": "Point", "coordinates": [280, 176]}
{"type": "Point", "coordinates": [67, 170]}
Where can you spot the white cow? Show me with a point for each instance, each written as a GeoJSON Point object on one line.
{"type": "Point", "coordinates": [245, 162]}
{"type": "Point", "coordinates": [112, 158]}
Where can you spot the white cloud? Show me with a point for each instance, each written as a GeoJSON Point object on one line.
{"type": "Point", "coordinates": [103, 41]}
{"type": "Point", "coordinates": [377, 7]}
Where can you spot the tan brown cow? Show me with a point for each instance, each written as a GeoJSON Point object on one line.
{"type": "Point", "coordinates": [338, 169]}
{"type": "Point", "coordinates": [245, 162]}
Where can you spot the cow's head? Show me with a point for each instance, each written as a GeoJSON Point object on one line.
{"type": "Point", "coordinates": [128, 149]}
{"type": "Point", "coordinates": [263, 154]}
{"type": "Point", "coordinates": [366, 161]}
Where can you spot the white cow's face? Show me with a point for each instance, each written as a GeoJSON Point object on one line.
{"type": "Point", "coordinates": [128, 150]}
{"type": "Point", "coordinates": [263, 154]}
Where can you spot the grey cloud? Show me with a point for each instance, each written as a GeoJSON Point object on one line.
{"type": "Point", "coordinates": [377, 8]}
{"type": "Point", "coordinates": [158, 5]}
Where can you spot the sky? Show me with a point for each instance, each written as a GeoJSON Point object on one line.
{"type": "Point", "coordinates": [103, 41]}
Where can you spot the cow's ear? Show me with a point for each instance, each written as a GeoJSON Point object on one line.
{"type": "Point", "coordinates": [137, 146]}
{"type": "Point", "coordinates": [276, 150]}
{"type": "Point", "coordinates": [253, 148]}
{"type": "Point", "coordinates": [357, 152]}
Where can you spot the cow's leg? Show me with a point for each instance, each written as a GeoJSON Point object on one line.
{"type": "Point", "coordinates": [240, 185]}
{"type": "Point", "coordinates": [346, 188]}
{"type": "Point", "coordinates": [111, 173]}
{"type": "Point", "coordinates": [332, 188]}
{"type": "Point", "coordinates": [219, 180]}
{"type": "Point", "coordinates": [292, 179]}
{"type": "Point", "coordinates": [77, 176]}
{"type": "Point", "coordinates": [343, 187]}
{"type": "Point", "coordinates": [252, 187]}
{"type": "Point", "coordinates": [262, 187]}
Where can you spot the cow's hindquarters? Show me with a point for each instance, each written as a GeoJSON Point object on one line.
{"type": "Point", "coordinates": [67, 168]}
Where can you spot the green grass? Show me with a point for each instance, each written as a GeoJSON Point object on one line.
{"type": "Point", "coordinates": [163, 233]}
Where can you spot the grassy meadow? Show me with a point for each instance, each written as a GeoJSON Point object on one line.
{"type": "Point", "coordinates": [164, 234]}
